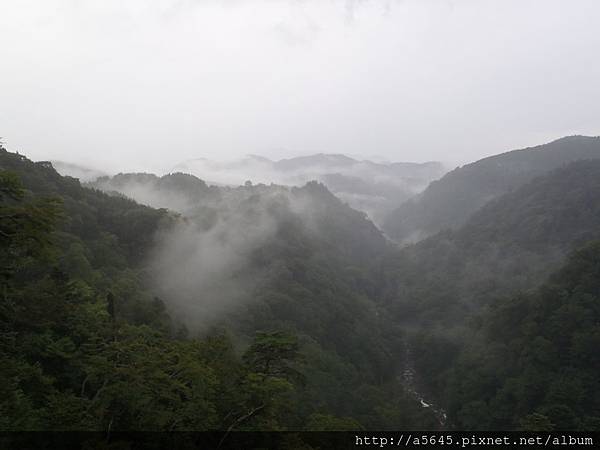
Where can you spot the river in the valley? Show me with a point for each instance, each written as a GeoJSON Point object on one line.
{"type": "Point", "coordinates": [407, 378]}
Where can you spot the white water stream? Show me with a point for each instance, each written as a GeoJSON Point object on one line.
{"type": "Point", "coordinates": [408, 381]}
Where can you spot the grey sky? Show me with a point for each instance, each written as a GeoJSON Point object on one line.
{"type": "Point", "coordinates": [144, 84]}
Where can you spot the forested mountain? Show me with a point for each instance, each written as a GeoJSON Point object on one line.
{"type": "Point", "coordinates": [322, 214]}
{"type": "Point", "coordinates": [449, 202]}
{"type": "Point", "coordinates": [89, 214]}
{"type": "Point", "coordinates": [90, 341]}
{"type": "Point", "coordinates": [297, 225]}
{"type": "Point", "coordinates": [282, 308]}
{"type": "Point", "coordinates": [462, 292]}
{"type": "Point", "coordinates": [511, 244]}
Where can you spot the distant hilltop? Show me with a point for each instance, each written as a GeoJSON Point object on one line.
{"type": "Point", "coordinates": [372, 187]}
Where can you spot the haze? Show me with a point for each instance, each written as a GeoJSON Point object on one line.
{"type": "Point", "coordinates": [139, 85]}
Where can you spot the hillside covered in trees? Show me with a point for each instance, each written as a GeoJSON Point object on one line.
{"type": "Point", "coordinates": [139, 302]}
{"type": "Point", "coordinates": [299, 225]}
{"type": "Point", "coordinates": [493, 332]}
{"type": "Point", "coordinates": [511, 244]}
{"type": "Point", "coordinates": [88, 344]}
{"type": "Point", "coordinates": [533, 359]}
{"type": "Point", "coordinates": [450, 201]}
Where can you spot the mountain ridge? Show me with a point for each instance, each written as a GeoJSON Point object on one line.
{"type": "Point", "coordinates": [510, 244]}
{"type": "Point", "coordinates": [451, 200]}
{"type": "Point", "coordinates": [375, 188]}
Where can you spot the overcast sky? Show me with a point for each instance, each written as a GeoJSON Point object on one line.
{"type": "Point", "coordinates": [144, 84]}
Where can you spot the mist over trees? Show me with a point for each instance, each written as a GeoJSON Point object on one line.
{"type": "Point", "coordinates": [372, 187]}
{"type": "Point", "coordinates": [299, 225]}
{"type": "Point", "coordinates": [145, 302]}
{"type": "Point", "coordinates": [88, 345]}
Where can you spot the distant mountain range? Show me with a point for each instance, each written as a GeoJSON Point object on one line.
{"type": "Point", "coordinates": [449, 202]}
{"type": "Point", "coordinates": [372, 187]}
{"type": "Point", "coordinates": [376, 188]}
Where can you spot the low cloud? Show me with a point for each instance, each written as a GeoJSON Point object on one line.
{"type": "Point", "coordinates": [204, 275]}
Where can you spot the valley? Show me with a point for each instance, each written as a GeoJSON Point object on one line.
{"type": "Point", "coordinates": [286, 301]}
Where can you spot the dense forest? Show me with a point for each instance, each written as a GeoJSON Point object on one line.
{"type": "Point", "coordinates": [532, 362]}
{"type": "Point", "coordinates": [87, 344]}
{"type": "Point", "coordinates": [471, 302]}
{"type": "Point", "coordinates": [139, 302]}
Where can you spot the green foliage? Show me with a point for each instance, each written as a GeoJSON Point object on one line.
{"type": "Point", "coordinates": [86, 341]}
{"type": "Point", "coordinates": [532, 363]}
{"type": "Point", "coordinates": [464, 295]}
{"type": "Point", "coordinates": [508, 246]}
{"type": "Point", "coordinates": [86, 345]}
{"type": "Point", "coordinates": [25, 224]}
{"type": "Point", "coordinates": [270, 354]}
